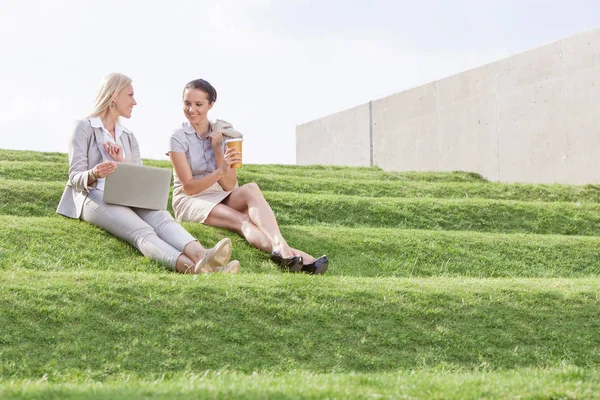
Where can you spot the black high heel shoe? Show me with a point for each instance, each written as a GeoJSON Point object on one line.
{"type": "Point", "coordinates": [319, 266]}
{"type": "Point", "coordinates": [292, 264]}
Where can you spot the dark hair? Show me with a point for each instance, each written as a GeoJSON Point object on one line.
{"type": "Point", "coordinates": [201, 84]}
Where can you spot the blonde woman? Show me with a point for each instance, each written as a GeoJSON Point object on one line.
{"type": "Point", "coordinates": [206, 188]}
{"type": "Point", "coordinates": [99, 142]}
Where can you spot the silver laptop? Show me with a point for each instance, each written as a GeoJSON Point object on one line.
{"type": "Point", "coordinates": [138, 186]}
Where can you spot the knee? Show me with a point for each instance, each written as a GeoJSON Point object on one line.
{"type": "Point", "coordinates": [140, 236]}
{"type": "Point", "coordinates": [163, 222]}
{"type": "Point", "coordinates": [251, 189]}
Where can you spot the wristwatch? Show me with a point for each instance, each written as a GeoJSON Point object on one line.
{"type": "Point", "coordinates": [94, 177]}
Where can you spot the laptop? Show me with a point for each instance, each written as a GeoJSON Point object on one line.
{"type": "Point", "coordinates": [138, 186]}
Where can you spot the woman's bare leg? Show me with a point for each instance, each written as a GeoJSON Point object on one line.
{"type": "Point", "coordinates": [248, 198]}
{"type": "Point", "coordinates": [185, 265]}
{"type": "Point", "coordinates": [194, 251]}
{"type": "Point", "coordinates": [306, 258]}
{"type": "Point", "coordinates": [223, 216]}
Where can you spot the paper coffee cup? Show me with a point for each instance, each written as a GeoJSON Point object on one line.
{"type": "Point", "coordinates": [237, 145]}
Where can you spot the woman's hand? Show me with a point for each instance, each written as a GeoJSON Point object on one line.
{"type": "Point", "coordinates": [114, 151]}
{"type": "Point", "coordinates": [230, 157]}
{"type": "Point", "coordinates": [104, 169]}
{"type": "Point", "coordinates": [216, 138]}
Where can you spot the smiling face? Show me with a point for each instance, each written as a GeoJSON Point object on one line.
{"type": "Point", "coordinates": [196, 105]}
{"type": "Point", "coordinates": [124, 102]}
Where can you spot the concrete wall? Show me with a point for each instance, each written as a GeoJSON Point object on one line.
{"type": "Point", "coordinates": [533, 117]}
{"type": "Point", "coordinates": [338, 139]}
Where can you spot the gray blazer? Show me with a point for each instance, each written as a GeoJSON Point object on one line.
{"type": "Point", "coordinates": [86, 150]}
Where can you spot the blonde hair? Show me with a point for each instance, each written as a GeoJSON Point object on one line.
{"type": "Point", "coordinates": [111, 85]}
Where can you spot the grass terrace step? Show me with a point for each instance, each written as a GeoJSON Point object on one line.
{"type": "Point", "coordinates": [20, 197]}
{"type": "Point", "coordinates": [40, 199]}
{"type": "Point", "coordinates": [370, 173]}
{"type": "Point", "coordinates": [33, 171]}
{"type": "Point", "coordinates": [98, 323]}
{"type": "Point", "coordinates": [58, 243]}
{"type": "Point", "coordinates": [428, 383]}
{"type": "Point", "coordinates": [341, 172]}
{"type": "Point", "coordinates": [455, 190]}
{"type": "Point", "coordinates": [41, 170]}
{"type": "Point", "coordinates": [437, 214]}
{"type": "Point", "coordinates": [36, 199]}
{"type": "Point", "coordinates": [28, 155]}
{"type": "Point", "coordinates": [24, 198]}
{"type": "Point", "coordinates": [40, 244]}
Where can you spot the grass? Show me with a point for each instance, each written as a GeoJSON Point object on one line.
{"type": "Point", "coordinates": [441, 285]}
{"type": "Point", "coordinates": [424, 189]}
{"type": "Point", "coordinates": [36, 156]}
{"type": "Point", "coordinates": [24, 198]}
{"type": "Point", "coordinates": [29, 168]}
{"type": "Point", "coordinates": [437, 214]}
{"type": "Point", "coordinates": [559, 383]}
{"type": "Point", "coordinates": [20, 198]}
{"type": "Point", "coordinates": [351, 183]}
{"type": "Point", "coordinates": [367, 252]}
{"type": "Point", "coordinates": [34, 171]}
{"type": "Point", "coordinates": [151, 325]}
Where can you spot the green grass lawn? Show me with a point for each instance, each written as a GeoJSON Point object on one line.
{"type": "Point", "coordinates": [23, 198]}
{"type": "Point", "coordinates": [441, 285]}
{"type": "Point", "coordinates": [537, 383]}
{"type": "Point", "coordinates": [374, 252]}
{"type": "Point", "coordinates": [152, 324]}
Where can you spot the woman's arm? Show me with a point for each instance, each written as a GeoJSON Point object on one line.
{"type": "Point", "coordinates": [183, 170]}
{"type": "Point", "coordinates": [135, 151]}
{"type": "Point", "coordinates": [115, 150]}
{"type": "Point", "coordinates": [80, 175]}
{"type": "Point", "coordinates": [224, 161]}
{"type": "Point", "coordinates": [83, 178]}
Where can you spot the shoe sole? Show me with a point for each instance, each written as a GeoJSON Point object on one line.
{"type": "Point", "coordinates": [232, 268]}
{"type": "Point", "coordinates": [223, 251]}
{"type": "Point", "coordinates": [321, 269]}
{"type": "Point", "coordinates": [217, 256]}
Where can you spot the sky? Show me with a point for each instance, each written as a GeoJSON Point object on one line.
{"type": "Point", "coordinates": [275, 63]}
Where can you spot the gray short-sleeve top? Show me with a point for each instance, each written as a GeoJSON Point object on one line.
{"type": "Point", "coordinates": [198, 151]}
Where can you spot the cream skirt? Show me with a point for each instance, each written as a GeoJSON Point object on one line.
{"type": "Point", "coordinates": [197, 207]}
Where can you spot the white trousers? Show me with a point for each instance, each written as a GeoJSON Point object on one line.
{"type": "Point", "coordinates": [154, 233]}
